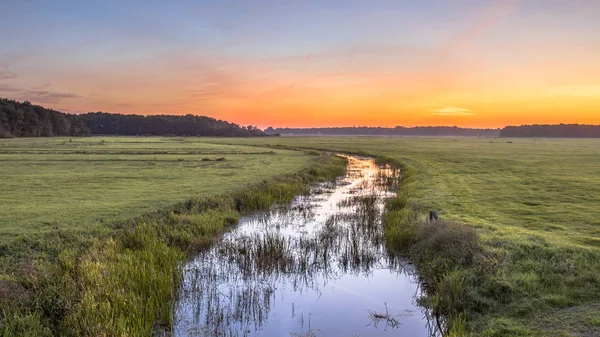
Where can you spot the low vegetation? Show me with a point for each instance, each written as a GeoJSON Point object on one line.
{"type": "Point", "coordinates": [517, 251]}
{"type": "Point", "coordinates": [118, 277]}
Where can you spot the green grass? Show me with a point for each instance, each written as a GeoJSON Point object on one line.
{"type": "Point", "coordinates": [113, 268]}
{"type": "Point", "coordinates": [529, 250]}
{"type": "Point", "coordinates": [518, 252]}
{"type": "Point", "coordinates": [50, 184]}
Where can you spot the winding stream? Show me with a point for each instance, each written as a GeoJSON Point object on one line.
{"type": "Point", "coordinates": [317, 267]}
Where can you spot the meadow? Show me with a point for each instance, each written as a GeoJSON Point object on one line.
{"type": "Point", "coordinates": [518, 250]}
{"type": "Point", "coordinates": [80, 183]}
{"type": "Point", "coordinates": [516, 253]}
{"type": "Point", "coordinates": [94, 230]}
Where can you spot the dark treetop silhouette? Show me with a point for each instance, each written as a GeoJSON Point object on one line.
{"type": "Point", "coordinates": [23, 119]}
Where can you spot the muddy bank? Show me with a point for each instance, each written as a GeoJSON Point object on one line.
{"type": "Point", "coordinates": [316, 267]}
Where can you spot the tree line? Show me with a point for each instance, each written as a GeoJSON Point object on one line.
{"type": "Point", "coordinates": [102, 123]}
{"type": "Point", "coordinates": [23, 119]}
{"type": "Point", "coordinates": [552, 131]}
{"type": "Point", "coordinates": [381, 131]}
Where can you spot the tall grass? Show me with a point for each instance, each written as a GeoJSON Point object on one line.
{"type": "Point", "coordinates": [123, 283]}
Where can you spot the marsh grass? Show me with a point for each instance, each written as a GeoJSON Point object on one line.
{"type": "Point", "coordinates": [123, 282]}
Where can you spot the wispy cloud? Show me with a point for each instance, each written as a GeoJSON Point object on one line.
{"type": "Point", "coordinates": [6, 88]}
{"type": "Point", "coordinates": [452, 111]}
{"type": "Point", "coordinates": [42, 86]}
{"type": "Point", "coordinates": [36, 96]}
{"type": "Point", "coordinates": [489, 17]}
{"type": "Point", "coordinates": [7, 75]}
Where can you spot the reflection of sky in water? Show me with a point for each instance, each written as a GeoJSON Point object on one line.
{"type": "Point", "coordinates": [327, 274]}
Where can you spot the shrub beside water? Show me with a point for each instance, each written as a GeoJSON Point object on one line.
{"type": "Point", "coordinates": [448, 256]}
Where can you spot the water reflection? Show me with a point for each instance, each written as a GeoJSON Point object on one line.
{"type": "Point", "coordinates": [317, 267]}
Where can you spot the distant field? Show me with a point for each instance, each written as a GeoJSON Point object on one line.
{"type": "Point", "coordinates": [535, 204]}
{"type": "Point", "coordinates": [79, 183]}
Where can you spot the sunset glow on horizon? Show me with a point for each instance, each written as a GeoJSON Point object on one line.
{"type": "Point", "coordinates": [310, 63]}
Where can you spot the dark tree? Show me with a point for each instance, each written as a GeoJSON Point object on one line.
{"type": "Point", "coordinates": [22, 119]}
{"type": "Point", "coordinates": [380, 131]}
{"type": "Point", "coordinates": [552, 131]}
{"type": "Point", "coordinates": [102, 123]}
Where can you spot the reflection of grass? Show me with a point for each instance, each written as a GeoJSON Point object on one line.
{"type": "Point", "coordinates": [533, 204]}
{"type": "Point", "coordinates": [312, 333]}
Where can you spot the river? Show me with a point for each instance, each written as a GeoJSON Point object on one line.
{"type": "Point", "coordinates": [316, 267]}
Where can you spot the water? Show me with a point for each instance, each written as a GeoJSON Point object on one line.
{"type": "Point", "coordinates": [317, 267]}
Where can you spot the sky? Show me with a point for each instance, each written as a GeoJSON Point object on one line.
{"type": "Point", "coordinates": [470, 63]}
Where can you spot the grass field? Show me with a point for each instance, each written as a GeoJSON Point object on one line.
{"type": "Point", "coordinates": [535, 206]}
{"type": "Point", "coordinates": [94, 230]}
{"type": "Point", "coordinates": [57, 183]}
{"type": "Point", "coordinates": [518, 252]}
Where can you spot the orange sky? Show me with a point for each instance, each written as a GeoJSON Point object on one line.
{"type": "Point", "coordinates": [473, 64]}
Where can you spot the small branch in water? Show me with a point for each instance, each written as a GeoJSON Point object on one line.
{"type": "Point", "coordinates": [389, 320]}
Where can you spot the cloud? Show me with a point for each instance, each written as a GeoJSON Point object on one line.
{"type": "Point", "coordinates": [44, 96]}
{"type": "Point", "coordinates": [452, 111]}
{"type": "Point", "coordinates": [7, 88]}
{"type": "Point", "coordinates": [7, 75]}
{"type": "Point", "coordinates": [488, 18]}
{"type": "Point", "coordinates": [42, 86]}
{"type": "Point", "coordinates": [36, 96]}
